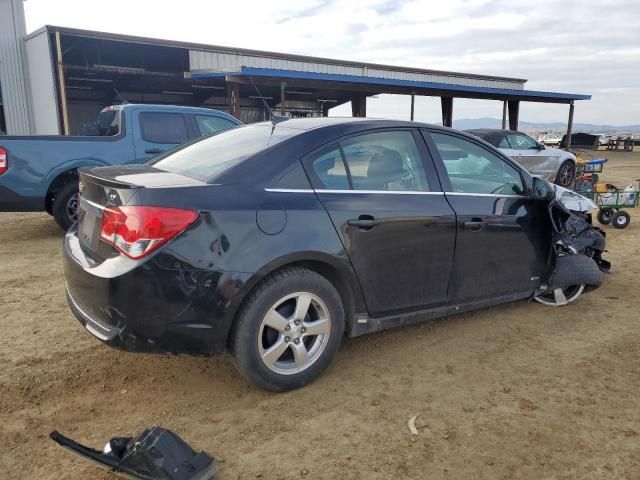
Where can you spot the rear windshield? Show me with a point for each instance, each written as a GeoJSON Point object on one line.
{"type": "Point", "coordinates": [209, 157]}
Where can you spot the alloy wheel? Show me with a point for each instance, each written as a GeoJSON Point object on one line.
{"type": "Point", "coordinates": [566, 174]}
{"type": "Point", "coordinates": [560, 296]}
{"type": "Point", "coordinates": [294, 333]}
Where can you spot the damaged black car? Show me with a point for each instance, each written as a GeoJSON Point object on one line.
{"type": "Point", "coordinates": [274, 240]}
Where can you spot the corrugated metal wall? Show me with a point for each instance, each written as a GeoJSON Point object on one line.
{"type": "Point", "coordinates": [46, 120]}
{"type": "Point", "coordinates": [12, 74]}
{"type": "Point", "coordinates": [228, 62]}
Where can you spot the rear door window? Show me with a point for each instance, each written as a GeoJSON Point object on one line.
{"type": "Point", "coordinates": [385, 161]}
{"type": "Point", "coordinates": [164, 128]}
{"type": "Point", "coordinates": [327, 169]}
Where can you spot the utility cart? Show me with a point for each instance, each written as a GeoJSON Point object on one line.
{"type": "Point", "coordinates": [611, 201]}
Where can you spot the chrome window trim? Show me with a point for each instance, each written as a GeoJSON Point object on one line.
{"type": "Point", "coordinates": [387, 192]}
{"type": "Point", "coordinates": [289, 190]}
{"type": "Point", "coordinates": [470, 194]}
{"type": "Point", "coordinates": [321, 190]}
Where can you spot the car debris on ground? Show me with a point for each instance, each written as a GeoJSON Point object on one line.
{"type": "Point", "coordinates": [154, 454]}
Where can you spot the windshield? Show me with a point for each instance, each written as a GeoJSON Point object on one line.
{"type": "Point", "coordinates": [207, 158]}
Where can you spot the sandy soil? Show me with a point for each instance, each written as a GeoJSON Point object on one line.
{"type": "Point", "coordinates": [516, 391]}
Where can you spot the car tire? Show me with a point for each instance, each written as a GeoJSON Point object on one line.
{"type": "Point", "coordinates": [65, 205]}
{"type": "Point", "coordinates": [604, 215]}
{"type": "Point", "coordinates": [620, 219]}
{"type": "Point", "coordinates": [566, 174]}
{"type": "Point", "coordinates": [271, 333]}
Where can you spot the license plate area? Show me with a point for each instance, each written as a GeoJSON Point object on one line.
{"type": "Point", "coordinates": [89, 221]}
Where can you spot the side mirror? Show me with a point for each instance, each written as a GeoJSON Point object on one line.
{"type": "Point", "coordinates": [541, 146]}
{"type": "Point", "coordinates": [542, 190]}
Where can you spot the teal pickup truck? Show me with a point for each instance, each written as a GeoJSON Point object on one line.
{"type": "Point", "coordinates": [41, 172]}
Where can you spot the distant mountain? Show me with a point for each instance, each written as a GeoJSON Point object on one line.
{"type": "Point", "coordinates": [467, 123]}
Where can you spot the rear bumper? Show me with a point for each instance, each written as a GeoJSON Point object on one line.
{"type": "Point", "coordinates": [10, 201]}
{"type": "Point", "coordinates": [157, 305]}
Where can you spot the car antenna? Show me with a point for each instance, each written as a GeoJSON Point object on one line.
{"type": "Point", "coordinates": [124, 102]}
{"type": "Point", "coordinates": [275, 119]}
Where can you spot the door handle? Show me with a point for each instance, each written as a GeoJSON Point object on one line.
{"type": "Point", "coordinates": [475, 225]}
{"type": "Point", "coordinates": [363, 222]}
{"type": "Point", "coordinates": [153, 151]}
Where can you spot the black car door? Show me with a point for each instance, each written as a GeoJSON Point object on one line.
{"type": "Point", "coordinates": [504, 235]}
{"type": "Point", "coordinates": [381, 191]}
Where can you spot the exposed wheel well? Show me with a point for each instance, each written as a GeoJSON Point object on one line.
{"type": "Point", "coordinates": [58, 182]}
{"type": "Point", "coordinates": [328, 271]}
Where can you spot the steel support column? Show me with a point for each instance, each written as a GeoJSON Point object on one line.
{"type": "Point", "coordinates": [504, 115]}
{"type": "Point", "coordinates": [282, 98]}
{"type": "Point", "coordinates": [569, 126]}
{"type": "Point", "coordinates": [413, 105]}
{"type": "Point", "coordinates": [359, 105]}
{"type": "Point", "coordinates": [514, 108]}
{"type": "Point", "coordinates": [447, 111]}
{"type": "Point", "coordinates": [233, 99]}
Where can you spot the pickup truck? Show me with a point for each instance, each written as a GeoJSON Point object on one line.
{"type": "Point", "coordinates": [41, 172]}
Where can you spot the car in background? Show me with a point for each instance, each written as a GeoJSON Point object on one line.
{"type": "Point", "coordinates": [550, 139]}
{"type": "Point", "coordinates": [273, 241]}
{"type": "Point", "coordinates": [41, 172]}
{"type": "Point", "coordinates": [557, 166]}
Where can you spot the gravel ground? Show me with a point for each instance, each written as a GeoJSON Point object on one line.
{"type": "Point", "coordinates": [516, 391]}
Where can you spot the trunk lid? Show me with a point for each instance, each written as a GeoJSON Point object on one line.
{"type": "Point", "coordinates": [108, 187]}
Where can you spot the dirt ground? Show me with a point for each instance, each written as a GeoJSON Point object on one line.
{"type": "Point", "coordinates": [516, 391]}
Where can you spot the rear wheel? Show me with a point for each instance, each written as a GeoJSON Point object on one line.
{"type": "Point", "coordinates": [604, 216]}
{"type": "Point", "coordinates": [288, 330]}
{"type": "Point", "coordinates": [560, 296]}
{"type": "Point", "coordinates": [620, 219]}
{"type": "Point", "coordinates": [65, 205]}
{"type": "Point", "coordinates": [566, 174]}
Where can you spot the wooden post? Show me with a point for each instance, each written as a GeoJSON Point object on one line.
{"type": "Point", "coordinates": [447, 111]}
{"type": "Point", "coordinates": [282, 98]}
{"type": "Point", "coordinates": [233, 99]}
{"type": "Point", "coordinates": [514, 108]}
{"type": "Point", "coordinates": [413, 105]}
{"type": "Point", "coordinates": [61, 86]}
{"type": "Point", "coordinates": [569, 126]}
{"type": "Point", "coordinates": [504, 115]}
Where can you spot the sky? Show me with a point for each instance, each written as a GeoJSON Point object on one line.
{"type": "Point", "coordinates": [588, 46]}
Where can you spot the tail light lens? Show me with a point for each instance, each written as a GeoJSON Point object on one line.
{"type": "Point", "coordinates": [137, 231]}
{"type": "Point", "coordinates": [4, 166]}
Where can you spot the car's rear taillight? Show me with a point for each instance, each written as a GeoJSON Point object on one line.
{"type": "Point", "coordinates": [137, 231]}
{"type": "Point", "coordinates": [4, 165]}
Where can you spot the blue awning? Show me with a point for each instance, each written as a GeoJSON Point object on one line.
{"type": "Point", "coordinates": [385, 85]}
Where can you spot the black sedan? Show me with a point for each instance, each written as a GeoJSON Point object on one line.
{"type": "Point", "coordinates": [272, 241]}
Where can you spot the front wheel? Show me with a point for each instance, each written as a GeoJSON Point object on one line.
{"type": "Point", "coordinates": [560, 296]}
{"type": "Point", "coordinates": [566, 174]}
{"type": "Point", "coordinates": [65, 205]}
{"type": "Point", "coordinates": [288, 330]}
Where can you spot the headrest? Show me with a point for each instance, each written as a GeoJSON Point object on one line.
{"type": "Point", "coordinates": [386, 164]}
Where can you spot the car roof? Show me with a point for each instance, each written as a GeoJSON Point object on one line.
{"type": "Point", "coordinates": [312, 123]}
{"type": "Point", "coordinates": [491, 135]}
